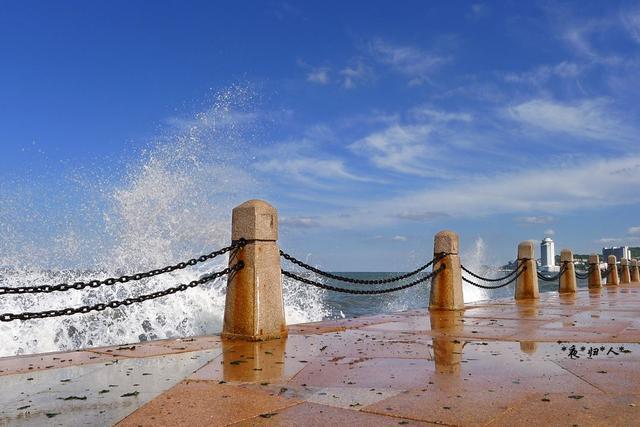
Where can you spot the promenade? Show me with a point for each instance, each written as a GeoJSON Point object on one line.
{"type": "Point", "coordinates": [495, 363]}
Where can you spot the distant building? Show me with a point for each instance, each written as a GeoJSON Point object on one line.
{"type": "Point", "coordinates": [548, 255]}
{"type": "Point", "coordinates": [619, 251]}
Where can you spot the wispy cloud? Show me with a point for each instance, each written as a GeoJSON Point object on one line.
{"type": "Point", "coordinates": [405, 147]}
{"type": "Point", "coordinates": [631, 21]}
{"type": "Point", "coordinates": [478, 10]}
{"type": "Point", "coordinates": [541, 74]}
{"type": "Point", "coordinates": [556, 190]}
{"type": "Point", "coordinates": [299, 222]}
{"type": "Point", "coordinates": [319, 76]}
{"type": "Point", "coordinates": [398, 148]}
{"type": "Point", "coordinates": [310, 170]}
{"type": "Point", "coordinates": [590, 118]}
{"type": "Point", "coordinates": [534, 220]}
{"type": "Point", "coordinates": [416, 64]}
{"type": "Point", "coordinates": [355, 74]}
{"type": "Point", "coordinates": [633, 230]}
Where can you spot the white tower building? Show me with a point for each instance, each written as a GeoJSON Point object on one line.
{"type": "Point", "coordinates": [548, 255]}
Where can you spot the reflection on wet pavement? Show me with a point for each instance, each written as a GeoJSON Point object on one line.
{"type": "Point", "coordinates": [497, 363]}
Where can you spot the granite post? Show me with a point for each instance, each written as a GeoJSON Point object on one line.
{"type": "Point", "coordinates": [446, 286]}
{"type": "Point", "coordinates": [635, 271]}
{"type": "Point", "coordinates": [254, 308]}
{"type": "Point", "coordinates": [568, 278]}
{"type": "Point", "coordinates": [626, 274]}
{"type": "Point", "coordinates": [612, 276]}
{"type": "Point", "coordinates": [595, 278]}
{"type": "Point", "coordinates": [527, 283]}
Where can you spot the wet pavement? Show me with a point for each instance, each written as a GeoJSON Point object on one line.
{"type": "Point", "coordinates": [563, 360]}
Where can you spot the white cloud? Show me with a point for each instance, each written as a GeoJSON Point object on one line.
{"type": "Point", "coordinates": [633, 230]}
{"type": "Point", "coordinates": [404, 148]}
{"type": "Point", "coordinates": [414, 63]}
{"type": "Point", "coordinates": [543, 73]}
{"type": "Point", "coordinates": [355, 74]}
{"type": "Point", "coordinates": [309, 170]}
{"type": "Point", "coordinates": [319, 76]}
{"type": "Point", "coordinates": [631, 22]}
{"type": "Point", "coordinates": [399, 238]}
{"type": "Point", "coordinates": [397, 148]}
{"type": "Point", "coordinates": [531, 220]}
{"type": "Point", "coordinates": [586, 185]}
{"type": "Point", "coordinates": [478, 10]}
{"type": "Point", "coordinates": [439, 116]}
{"type": "Point", "coordinates": [586, 119]}
{"type": "Point", "coordinates": [549, 232]}
{"type": "Point", "coordinates": [299, 222]}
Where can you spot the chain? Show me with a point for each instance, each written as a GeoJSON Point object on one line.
{"type": "Point", "coordinates": [552, 278]}
{"type": "Point", "coordinates": [360, 291]}
{"type": "Point", "coordinates": [122, 279]}
{"type": "Point", "coordinates": [8, 317]}
{"type": "Point", "coordinates": [359, 281]}
{"type": "Point", "coordinates": [486, 279]}
{"type": "Point", "coordinates": [519, 271]}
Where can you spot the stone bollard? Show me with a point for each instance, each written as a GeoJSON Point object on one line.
{"type": "Point", "coordinates": [446, 286]}
{"type": "Point", "coordinates": [568, 278]}
{"type": "Point", "coordinates": [635, 271]}
{"type": "Point", "coordinates": [595, 278]}
{"type": "Point", "coordinates": [254, 309]}
{"type": "Point", "coordinates": [527, 283]}
{"type": "Point", "coordinates": [626, 275]}
{"type": "Point", "coordinates": [612, 277]}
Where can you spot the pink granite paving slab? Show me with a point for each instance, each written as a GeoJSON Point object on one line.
{"type": "Point", "coordinates": [37, 362]}
{"type": "Point", "coordinates": [204, 403]}
{"type": "Point", "coordinates": [311, 414]}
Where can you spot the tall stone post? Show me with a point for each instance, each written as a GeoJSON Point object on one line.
{"type": "Point", "coordinates": [612, 277]}
{"type": "Point", "coordinates": [626, 275]}
{"type": "Point", "coordinates": [635, 271]}
{"type": "Point", "coordinates": [254, 309]}
{"type": "Point", "coordinates": [446, 286]}
{"type": "Point", "coordinates": [568, 278]}
{"type": "Point", "coordinates": [595, 278]}
{"type": "Point", "coordinates": [527, 283]}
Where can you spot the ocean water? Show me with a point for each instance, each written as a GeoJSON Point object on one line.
{"type": "Point", "coordinates": [168, 202]}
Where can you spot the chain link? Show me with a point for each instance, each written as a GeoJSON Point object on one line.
{"type": "Point", "coordinates": [359, 281]}
{"type": "Point", "coordinates": [122, 279]}
{"type": "Point", "coordinates": [552, 278]}
{"type": "Point", "coordinates": [362, 291]}
{"type": "Point", "coordinates": [8, 317]}
{"type": "Point", "coordinates": [519, 271]}
{"type": "Point", "coordinates": [486, 279]}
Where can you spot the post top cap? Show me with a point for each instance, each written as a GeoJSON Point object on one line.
{"type": "Point", "coordinates": [527, 249]}
{"type": "Point", "coordinates": [566, 255]}
{"type": "Point", "coordinates": [446, 241]}
{"type": "Point", "coordinates": [634, 262]}
{"type": "Point", "coordinates": [255, 204]}
{"type": "Point", "coordinates": [611, 259]}
{"type": "Point", "coordinates": [594, 259]}
{"type": "Point", "coordinates": [624, 261]}
{"type": "Point", "coordinates": [254, 220]}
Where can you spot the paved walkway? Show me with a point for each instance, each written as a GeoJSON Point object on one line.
{"type": "Point", "coordinates": [497, 364]}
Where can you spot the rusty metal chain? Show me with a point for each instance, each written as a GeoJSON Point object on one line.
{"type": "Point", "coordinates": [8, 317]}
{"type": "Point", "coordinates": [519, 272]}
{"type": "Point", "coordinates": [486, 279]}
{"type": "Point", "coordinates": [122, 279]}
{"type": "Point", "coordinates": [361, 291]}
{"type": "Point", "coordinates": [299, 263]}
{"type": "Point", "coordinates": [552, 278]}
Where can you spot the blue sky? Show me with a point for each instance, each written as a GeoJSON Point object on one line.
{"type": "Point", "coordinates": [370, 125]}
